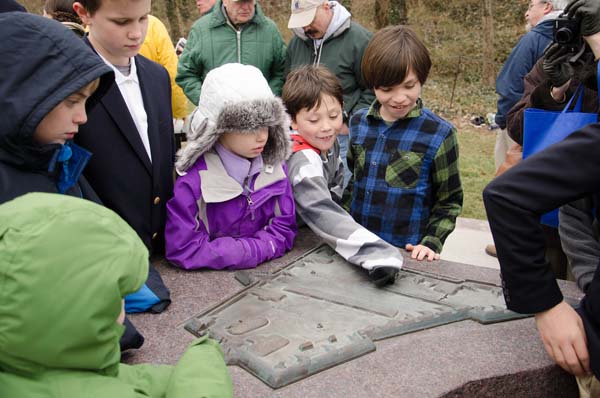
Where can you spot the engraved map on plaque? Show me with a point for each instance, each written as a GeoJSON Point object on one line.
{"type": "Point", "coordinates": [321, 311]}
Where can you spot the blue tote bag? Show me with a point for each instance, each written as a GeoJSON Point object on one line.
{"type": "Point", "coordinates": [542, 128]}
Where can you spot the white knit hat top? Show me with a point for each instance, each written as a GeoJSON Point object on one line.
{"type": "Point", "coordinates": [236, 98]}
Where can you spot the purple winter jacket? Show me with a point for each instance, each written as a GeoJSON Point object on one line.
{"type": "Point", "coordinates": [211, 223]}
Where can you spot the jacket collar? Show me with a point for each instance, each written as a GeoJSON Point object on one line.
{"type": "Point", "coordinates": [375, 111]}
{"type": "Point", "coordinates": [551, 16]}
{"type": "Point", "coordinates": [299, 144]}
{"type": "Point", "coordinates": [119, 77]}
{"type": "Point", "coordinates": [237, 167]}
{"type": "Point", "coordinates": [217, 186]}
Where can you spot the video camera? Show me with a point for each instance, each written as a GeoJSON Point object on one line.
{"type": "Point", "coordinates": [567, 34]}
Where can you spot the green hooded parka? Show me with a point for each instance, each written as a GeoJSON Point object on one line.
{"type": "Point", "coordinates": [65, 265]}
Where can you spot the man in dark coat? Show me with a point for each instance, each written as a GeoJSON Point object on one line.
{"type": "Point", "coordinates": [514, 202]}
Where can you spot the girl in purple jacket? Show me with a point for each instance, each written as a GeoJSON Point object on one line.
{"type": "Point", "coordinates": [233, 205]}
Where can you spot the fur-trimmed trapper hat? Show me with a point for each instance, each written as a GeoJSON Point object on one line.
{"type": "Point", "coordinates": [236, 98]}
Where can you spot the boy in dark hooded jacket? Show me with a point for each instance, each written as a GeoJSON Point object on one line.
{"type": "Point", "coordinates": [49, 75]}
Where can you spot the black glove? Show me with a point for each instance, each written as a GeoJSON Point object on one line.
{"type": "Point", "coordinates": [384, 275]}
{"type": "Point", "coordinates": [586, 11]}
{"type": "Point", "coordinates": [556, 65]}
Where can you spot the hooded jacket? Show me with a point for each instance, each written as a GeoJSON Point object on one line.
{"type": "Point", "coordinates": [341, 51]}
{"type": "Point", "coordinates": [213, 42]}
{"type": "Point", "coordinates": [57, 64]}
{"type": "Point", "coordinates": [67, 345]}
{"type": "Point", "coordinates": [215, 220]}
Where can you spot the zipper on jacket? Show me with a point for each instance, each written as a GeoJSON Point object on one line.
{"type": "Point", "coordinates": [250, 205]}
{"type": "Point", "coordinates": [317, 51]}
{"type": "Point", "coordinates": [238, 33]}
{"type": "Point", "coordinates": [247, 193]}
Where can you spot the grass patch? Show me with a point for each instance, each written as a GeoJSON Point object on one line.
{"type": "Point", "coordinates": [476, 164]}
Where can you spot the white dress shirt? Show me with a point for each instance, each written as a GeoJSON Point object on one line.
{"type": "Point", "coordinates": [129, 86]}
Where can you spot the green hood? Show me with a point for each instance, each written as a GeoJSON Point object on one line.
{"type": "Point", "coordinates": [65, 264]}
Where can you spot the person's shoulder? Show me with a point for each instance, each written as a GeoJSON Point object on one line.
{"type": "Point", "coordinates": [545, 27]}
{"type": "Point", "coordinates": [296, 41]}
{"type": "Point", "coordinates": [272, 26]}
{"type": "Point", "coordinates": [265, 22]}
{"type": "Point", "coordinates": [303, 164]}
{"type": "Point", "coordinates": [146, 65]}
{"type": "Point", "coordinates": [542, 31]}
{"type": "Point", "coordinates": [356, 34]}
{"type": "Point", "coordinates": [154, 22]}
{"type": "Point", "coordinates": [192, 175]}
{"type": "Point", "coordinates": [197, 24]}
{"type": "Point", "coordinates": [359, 115]}
{"type": "Point", "coordinates": [443, 124]}
{"type": "Point", "coordinates": [305, 156]}
{"type": "Point", "coordinates": [207, 21]}
{"type": "Point", "coordinates": [357, 29]}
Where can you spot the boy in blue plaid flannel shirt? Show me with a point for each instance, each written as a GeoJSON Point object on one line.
{"type": "Point", "coordinates": [406, 185]}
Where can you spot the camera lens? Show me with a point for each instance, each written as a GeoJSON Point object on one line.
{"type": "Point", "coordinates": [563, 36]}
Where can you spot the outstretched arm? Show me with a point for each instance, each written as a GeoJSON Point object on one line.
{"type": "Point", "coordinates": [330, 221]}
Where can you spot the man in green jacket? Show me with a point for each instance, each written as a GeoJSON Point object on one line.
{"type": "Point", "coordinates": [65, 266]}
{"type": "Point", "coordinates": [324, 34]}
{"type": "Point", "coordinates": [235, 31]}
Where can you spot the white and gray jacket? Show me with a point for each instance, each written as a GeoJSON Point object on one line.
{"type": "Point", "coordinates": [316, 181]}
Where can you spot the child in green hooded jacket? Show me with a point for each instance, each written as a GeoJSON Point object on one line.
{"type": "Point", "coordinates": [67, 344]}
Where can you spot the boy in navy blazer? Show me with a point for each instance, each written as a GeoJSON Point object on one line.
{"type": "Point", "coordinates": [130, 131]}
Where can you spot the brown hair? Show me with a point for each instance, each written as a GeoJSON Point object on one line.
{"type": "Point", "coordinates": [390, 54]}
{"type": "Point", "coordinates": [305, 86]}
{"type": "Point", "coordinates": [62, 11]}
{"type": "Point", "coordinates": [91, 6]}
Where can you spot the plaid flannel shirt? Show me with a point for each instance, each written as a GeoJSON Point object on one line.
{"type": "Point", "coordinates": [406, 184]}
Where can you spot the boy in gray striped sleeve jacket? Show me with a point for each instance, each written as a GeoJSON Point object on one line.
{"type": "Point", "coordinates": [314, 99]}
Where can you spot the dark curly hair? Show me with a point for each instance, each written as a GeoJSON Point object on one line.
{"type": "Point", "coordinates": [62, 11]}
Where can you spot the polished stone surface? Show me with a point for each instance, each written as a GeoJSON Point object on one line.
{"type": "Point", "coordinates": [465, 358]}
